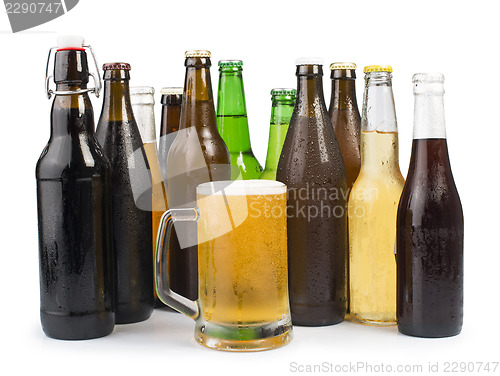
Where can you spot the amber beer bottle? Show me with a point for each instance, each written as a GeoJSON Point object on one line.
{"type": "Point", "coordinates": [345, 117]}
{"type": "Point", "coordinates": [119, 136]}
{"type": "Point", "coordinates": [312, 168]}
{"type": "Point", "coordinates": [171, 99]}
{"type": "Point", "coordinates": [430, 225]}
{"type": "Point", "coordinates": [346, 121]}
{"type": "Point", "coordinates": [197, 155]}
{"type": "Point", "coordinates": [73, 197]}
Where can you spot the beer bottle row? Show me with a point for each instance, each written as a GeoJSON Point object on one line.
{"type": "Point", "coordinates": [362, 242]}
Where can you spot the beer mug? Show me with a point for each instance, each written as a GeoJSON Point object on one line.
{"type": "Point", "coordinates": [242, 265]}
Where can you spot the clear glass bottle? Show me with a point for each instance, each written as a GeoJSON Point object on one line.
{"type": "Point", "coordinates": [283, 102]}
{"type": "Point", "coordinates": [373, 203]}
{"type": "Point", "coordinates": [430, 225]}
{"type": "Point", "coordinates": [142, 100]}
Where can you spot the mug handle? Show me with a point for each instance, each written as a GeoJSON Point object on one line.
{"type": "Point", "coordinates": [161, 271]}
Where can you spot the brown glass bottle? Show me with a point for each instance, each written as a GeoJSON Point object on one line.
{"type": "Point", "coordinates": [119, 136]}
{"type": "Point", "coordinates": [311, 166]}
{"type": "Point", "coordinates": [344, 114]}
{"type": "Point", "coordinates": [197, 155]}
{"type": "Point", "coordinates": [346, 121]}
{"type": "Point", "coordinates": [171, 99]}
{"type": "Point", "coordinates": [73, 197]}
{"type": "Point", "coordinates": [430, 225]}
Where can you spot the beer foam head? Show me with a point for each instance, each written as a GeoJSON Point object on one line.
{"type": "Point", "coordinates": [242, 188]}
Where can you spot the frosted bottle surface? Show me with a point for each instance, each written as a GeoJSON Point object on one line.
{"type": "Point", "coordinates": [312, 168]}
{"type": "Point", "coordinates": [430, 225]}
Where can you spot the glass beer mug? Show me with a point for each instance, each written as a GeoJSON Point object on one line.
{"type": "Point", "coordinates": [242, 265]}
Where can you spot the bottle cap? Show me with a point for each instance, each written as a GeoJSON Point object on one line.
{"type": "Point", "coordinates": [428, 77]}
{"type": "Point", "coordinates": [428, 83]}
{"type": "Point", "coordinates": [171, 91]}
{"type": "Point", "coordinates": [309, 61]}
{"type": "Point", "coordinates": [281, 91]}
{"type": "Point", "coordinates": [110, 66]}
{"type": "Point", "coordinates": [197, 53]}
{"type": "Point", "coordinates": [334, 66]}
{"type": "Point", "coordinates": [377, 68]}
{"type": "Point", "coordinates": [142, 90]}
{"type": "Point", "coordinates": [70, 42]}
{"type": "Point", "coordinates": [230, 63]}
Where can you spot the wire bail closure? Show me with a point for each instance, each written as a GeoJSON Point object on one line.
{"type": "Point", "coordinates": [97, 78]}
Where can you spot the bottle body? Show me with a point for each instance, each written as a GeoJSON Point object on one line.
{"type": "Point", "coordinates": [197, 155]}
{"type": "Point", "coordinates": [73, 197]}
{"type": "Point", "coordinates": [171, 99]}
{"type": "Point", "coordinates": [283, 102]}
{"type": "Point", "coordinates": [312, 168]}
{"type": "Point", "coordinates": [430, 226]}
{"type": "Point", "coordinates": [232, 121]}
{"type": "Point", "coordinates": [372, 208]}
{"type": "Point", "coordinates": [119, 136]}
{"type": "Point", "coordinates": [142, 101]}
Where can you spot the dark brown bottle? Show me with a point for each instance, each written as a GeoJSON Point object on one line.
{"type": "Point", "coordinates": [344, 114]}
{"type": "Point", "coordinates": [119, 136]}
{"type": "Point", "coordinates": [171, 99]}
{"type": "Point", "coordinates": [346, 121]}
{"type": "Point", "coordinates": [73, 197]}
{"type": "Point", "coordinates": [430, 225]}
{"type": "Point", "coordinates": [197, 155]}
{"type": "Point", "coordinates": [311, 166]}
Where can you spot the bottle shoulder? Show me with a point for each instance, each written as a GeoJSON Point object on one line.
{"type": "Point", "coordinates": [65, 157]}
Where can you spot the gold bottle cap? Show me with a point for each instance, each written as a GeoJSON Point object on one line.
{"type": "Point", "coordinates": [334, 66]}
{"type": "Point", "coordinates": [377, 68]}
{"type": "Point", "coordinates": [197, 53]}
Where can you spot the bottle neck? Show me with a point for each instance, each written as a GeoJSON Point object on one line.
{"type": "Point", "coordinates": [429, 114]}
{"type": "Point", "coordinates": [344, 92]}
{"type": "Point", "coordinates": [71, 114]}
{"type": "Point", "coordinates": [310, 98]}
{"type": "Point", "coordinates": [282, 109]}
{"type": "Point", "coordinates": [281, 113]}
{"type": "Point", "coordinates": [170, 117]}
{"type": "Point", "coordinates": [379, 113]}
{"type": "Point", "coordinates": [197, 109]}
{"type": "Point", "coordinates": [232, 120]}
{"type": "Point", "coordinates": [145, 118]}
{"type": "Point", "coordinates": [379, 137]}
{"type": "Point", "coordinates": [116, 105]}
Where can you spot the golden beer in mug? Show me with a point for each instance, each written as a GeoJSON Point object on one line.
{"type": "Point", "coordinates": [242, 265]}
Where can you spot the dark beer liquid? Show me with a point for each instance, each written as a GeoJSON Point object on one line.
{"type": "Point", "coordinates": [131, 197]}
{"type": "Point", "coordinates": [312, 168]}
{"type": "Point", "coordinates": [76, 285]}
{"type": "Point", "coordinates": [430, 245]}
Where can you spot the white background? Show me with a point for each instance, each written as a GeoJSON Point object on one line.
{"type": "Point", "coordinates": [457, 38]}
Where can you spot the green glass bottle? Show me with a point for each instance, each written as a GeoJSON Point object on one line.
{"type": "Point", "coordinates": [283, 102]}
{"type": "Point", "coordinates": [232, 121]}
